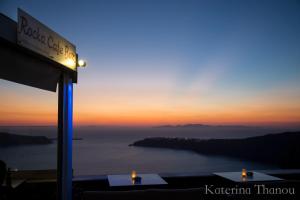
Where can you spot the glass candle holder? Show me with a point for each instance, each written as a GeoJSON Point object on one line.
{"type": "Point", "coordinates": [244, 173]}
{"type": "Point", "coordinates": [133, 174]}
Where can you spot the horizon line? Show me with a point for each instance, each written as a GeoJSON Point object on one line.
{"type": "Point", "coordinates": [291, 124]}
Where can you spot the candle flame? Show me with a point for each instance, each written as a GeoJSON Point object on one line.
{"type": "Point", "coordinates": [244, 173]}
{"type": "Point", "coordinates": [133, 174]}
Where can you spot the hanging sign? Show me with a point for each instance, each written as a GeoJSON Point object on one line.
{"type": "Point", "coordinates": [37, 37]}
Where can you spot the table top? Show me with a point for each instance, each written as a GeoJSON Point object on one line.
{"type": "Point", "coordinates": [125, 180]}
{"type": "Point", "coordinates": [15, 183]}
{"type": "Point", "coordinates": [257, 176]}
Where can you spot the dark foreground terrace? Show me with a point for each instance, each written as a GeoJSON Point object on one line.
{"type": "Point", "coordinates": [36, 185]}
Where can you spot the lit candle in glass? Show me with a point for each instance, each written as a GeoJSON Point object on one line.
{"type": "Point", "coordinates": [244, 173]}
{"type": "Point", "coordinates": [133, 174]}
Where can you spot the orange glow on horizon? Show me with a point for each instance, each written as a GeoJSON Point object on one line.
{"type": "Point", "coordinates": [152, 108]}
{"type": "Point", "coordinates": [154, 118]}
{"type": "Point", "coordinates": [139, 115]}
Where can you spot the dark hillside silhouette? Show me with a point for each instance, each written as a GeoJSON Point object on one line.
{"type": "Point", "coordinates": [282, 149]}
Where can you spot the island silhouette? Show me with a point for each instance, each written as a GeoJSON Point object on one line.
{"type": "Point", "coordinates": [8, 139]}
{"type": "Point", "coordinates": [280, 149]}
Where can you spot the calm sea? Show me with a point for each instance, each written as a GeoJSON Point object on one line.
{"type": "Point", "coordinates": [105, 150]}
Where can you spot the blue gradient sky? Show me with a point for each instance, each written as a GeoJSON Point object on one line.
{"type": "Point", "coordinates": [153, 62]}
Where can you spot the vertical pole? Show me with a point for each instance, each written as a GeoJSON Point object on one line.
{"type": "Point", "coordinates": [64, 142]}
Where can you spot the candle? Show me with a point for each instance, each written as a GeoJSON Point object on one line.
{"type": "Point", "coordinates": [244, 173]}
{"type": "Point", "coordinates": [133, 174]}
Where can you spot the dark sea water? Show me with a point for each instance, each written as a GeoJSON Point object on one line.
{"type": "Point", "coordinates": [104, 150]}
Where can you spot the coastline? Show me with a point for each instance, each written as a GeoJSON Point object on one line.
{"type": "Point", "coordinates": [8, 139]}
{"type": "Point", "coordinates": [277, 149]}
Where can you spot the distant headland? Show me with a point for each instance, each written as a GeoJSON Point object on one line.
{"type": "Point", "coordinates": [8, 139]}
{"type": "Point", "coordinates": [281, 149]}
{"type": "Point", "coordinates": [201, 126]}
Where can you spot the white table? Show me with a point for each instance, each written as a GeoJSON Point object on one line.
{"type": "Point", "coordinates": [257, 176]}
{"type": "Point", "coordinates": [125, 180]}
{"type": "Point", "coordinates": [15, 183]}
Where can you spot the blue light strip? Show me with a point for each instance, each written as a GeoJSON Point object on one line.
{"type": "Point", "coordinates": [67, 139]}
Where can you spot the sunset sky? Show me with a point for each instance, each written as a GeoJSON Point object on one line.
{"type": "Point", "coordinates": [169, 62]}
